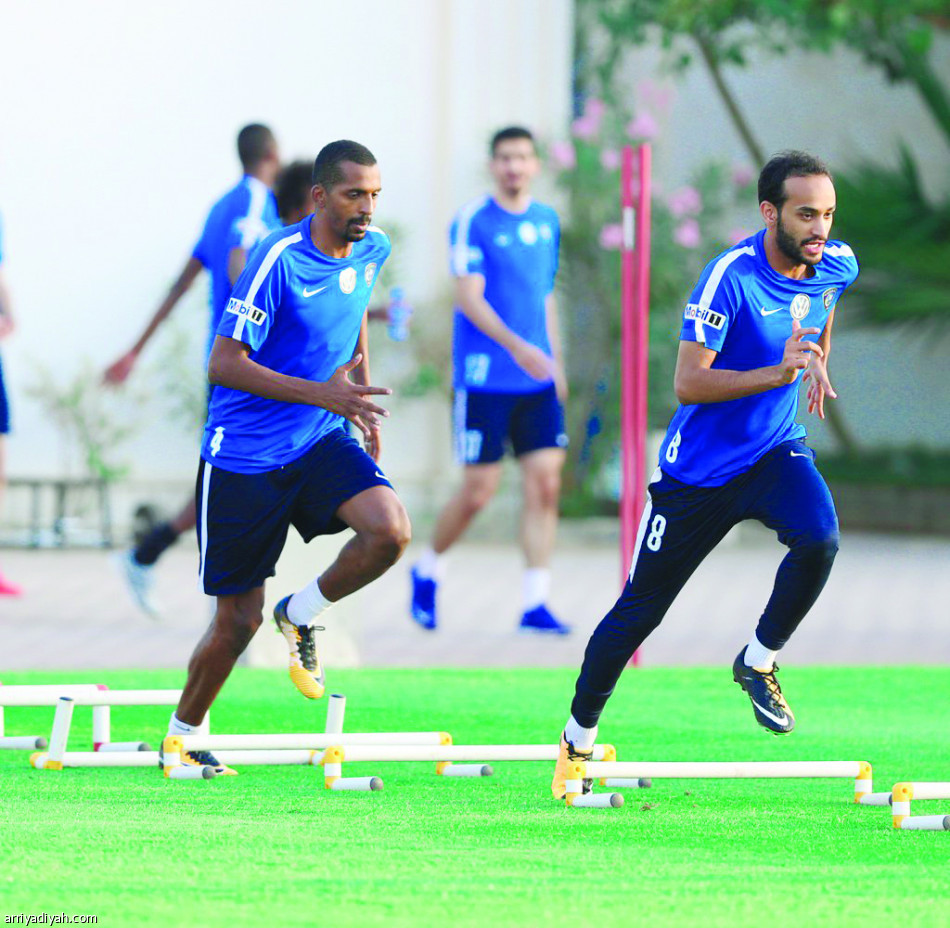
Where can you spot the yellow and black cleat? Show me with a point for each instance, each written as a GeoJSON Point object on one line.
{"type": "Point", "coordinates": [566, 757]}
{"type": "Point", "coordinates": [305, 668]}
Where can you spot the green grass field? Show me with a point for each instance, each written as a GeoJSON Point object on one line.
{"type": "Point", "coordinates": [272, 847]}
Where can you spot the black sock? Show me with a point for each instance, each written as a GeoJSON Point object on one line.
{"type": "Point", "coordinates": [154, 544]}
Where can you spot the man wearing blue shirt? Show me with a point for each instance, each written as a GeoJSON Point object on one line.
{"type": "Point", "coordinates": [276, 452]}
{"type": "Point", "coordinates": [761, 314]}
{"type": "Point", "coordinates": [7, 587]}
{"type": "Point", "coordinates": [235, 224]}
{"type": "Point", "coordinates": [508, 374]}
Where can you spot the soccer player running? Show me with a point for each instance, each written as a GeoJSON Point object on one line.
{"type": "Point", "coordinates": [275, 451]}
{"type": "Point", "coordinates": [508, 374]}
{"type": "Point", "coordinates": [236, 222]}
{"type": "Point", "coordinates": [760, 315]}
{"type": "Point", "coordinates": [7, 587]}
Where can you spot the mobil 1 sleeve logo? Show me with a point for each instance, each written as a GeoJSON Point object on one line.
{"type": "Point", "coordinates": [250, 312]}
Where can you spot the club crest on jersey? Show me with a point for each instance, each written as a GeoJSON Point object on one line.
{"type": "Point", "coordinates": [528, 233]}
{"type": "Point", "coordinates": [705, 315]}
{"type": "Point", "coordinates": [348, 279]}
{"type": "Point", "coordinates": [799, 306]}
{"type": "Point", "coordinates": [545, 231]}
{"type": "Point", "coordinates": [250, 313]}
{"type": "Point", "coordinates": [369, 273]}
{"type": "Point", "coordinates": [828, 297]}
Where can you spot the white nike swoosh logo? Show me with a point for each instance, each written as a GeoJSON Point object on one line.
{"type": "Point", "coordinates": [768, 714]}
{"type": "Point", "coordinates": [307, 292]}
{"type": "Point", "coordinates": [797, 454]}
{"type": "Point", "coordinates": [768, 312]}
{"type": "Point", "coordinates": [382, 476]}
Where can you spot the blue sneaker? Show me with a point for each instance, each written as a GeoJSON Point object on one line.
{"type": "Point", "coordinates": [540, 619]}
{"type": "Point", "coordinates": [422, 609]}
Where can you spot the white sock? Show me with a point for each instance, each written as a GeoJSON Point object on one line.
{"type": "Point", "coordinates": [177, 727]}
{"type": "Point", "coordinates": [430, 565]}
{"type": "Point", "coordinates": [582, 738]}
{"type": "Point", "coordinates": [536, 586]}
{"type": "Point", "coordinates": [757, 655]}
{"type": "Point", "coordinates": [307, 604]}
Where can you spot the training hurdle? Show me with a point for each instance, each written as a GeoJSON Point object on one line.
{"type": "Point", "coordinates": [899, 799]}
{"type": "Point", "coordinates": [47, 694]}
{"type": "Point", "coordinates": [613, 772]}
{"type": "Point", "coordinates": [446, 757]}
{"type": "Point", "coordinates": [106, 753]}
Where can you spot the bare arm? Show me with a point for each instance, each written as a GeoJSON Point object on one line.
{"type": "Point", "coordinates": [820, 386]}
{"type": "Point", "coordinates": [553, 324]}
{"type": "Point", "coordinates": [7, 324]}
{"type": "Point", "coordinates": [697, 382]}
{"type": "Point", "coordinates": [120, 370]}
{"type": "Point", "coordinates": [231, 366]}
{"type": "Point", "coordinates": [470, 299]}
{"type": "Point", "coordinates": [237, 258]}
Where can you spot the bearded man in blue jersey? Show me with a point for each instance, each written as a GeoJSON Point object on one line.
{"type": "Point", "coordinates": [760, 316]}
{"type": "Point", "coordinates": [508, 374]}
{"type": "Point", "coordinates": [235, 224]}
{"type": "Point", "coordinates": [276, 452]}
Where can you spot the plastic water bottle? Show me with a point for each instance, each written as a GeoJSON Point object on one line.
{"type": "Point", "coordinates": [399, 313]}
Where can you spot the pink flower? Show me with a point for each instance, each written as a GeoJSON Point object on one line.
{"type": "Point", "coordinates": [737, 235]}
{"type": "Point", "coordinates": [685, 201]}
{"type": "Point", "coordinates": [643, 126]}
{"type": "Point", "coordinates": [595, 108]}
{"type": "Point", "coordinates": [742, 174]}
{"type": "Point", "coordinates": [610, 159]}
{"type": "Point", "coordinates": [585, 127]}
{"type": "Point", "coordinates": [655, 96]}
{"type": "Point", "coordinates": [563, 155]}
{"type": "Point", "coordinates": [611, 236]}
{"type": "Point", "coordinates": [687, 234]}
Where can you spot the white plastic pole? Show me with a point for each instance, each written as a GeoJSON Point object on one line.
{"type": "Point", "coordinates": [60, 734]}
{"type": "Point", "coordinates": [358, 784]}
{"type": "Point", "coordinates": [192, 773]}
{"type": "Point", "coordinates": [336, 709]}
{"type": "Point", "coordinates": [926, 823]}
{"type": "Point", "coordinates": [597, 801]}
{"type": "Point", "coordinates": [449, 752]}
{"type": "Point", "coordinates": [313, 741]}
{"type": "Point", "coordinates": [123, 747]}
{"type": "Point", "coordinates": [43, 694]}
{"type": "Point", "coordinates": [933, 790]}
{"type": "Point", "coordinates": [22, 743]}
{"type": "Point", "coordinates": [101, 726]}
{"type": "Point", "coordinates": [789, 769]}
{"type": "Point", "coordinates": [467, 770]}
{"type": "Point", "coordinates": [106, 759]}
{"type": "Point", "coordinates": [627, 782]}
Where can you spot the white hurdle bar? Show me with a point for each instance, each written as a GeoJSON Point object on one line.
{"type": "Point", "coordinates": [902, 795]}
{"type": "Point", "coordinates": [859, 771]}
{"type": "Point", "coordinates": [34, 695]}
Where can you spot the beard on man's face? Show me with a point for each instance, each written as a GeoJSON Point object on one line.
{"type": "Point", "coordinates": [791, 247]}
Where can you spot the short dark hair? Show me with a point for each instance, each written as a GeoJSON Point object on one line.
{"type": "Point", "coordinates": [292, 189]}
{"type": "Point", "coordinates": [326, 169]}
{"type": "Point", "coordinates": [254, 144]}
{"type": "Point", "coordinates": [783, 165]}
{"type": "Point", "coordinates": [511, 132]}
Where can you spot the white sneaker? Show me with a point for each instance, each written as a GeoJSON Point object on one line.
{"type": "Point", "coordinates": [140, 580]}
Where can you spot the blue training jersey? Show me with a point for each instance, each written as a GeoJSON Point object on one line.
{"type": "Point", "coordinates": [743, 309]}
{"type": "Point", "coordinates": [240, 219]}
{"type": "Point", "coordinates": [300, 312]}
{"type": "Point", "coordinates": [517, 254]}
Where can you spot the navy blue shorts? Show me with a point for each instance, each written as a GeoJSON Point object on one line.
{"type": "Point", "coordinates": [486, 423]}
{"type": "Point", "coordinates": [4, 406]}
{"type": "Point", "coordinates": [244, 518]}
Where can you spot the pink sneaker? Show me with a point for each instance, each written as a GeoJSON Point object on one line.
{"type": "Point", "coordinates": [9, 589]}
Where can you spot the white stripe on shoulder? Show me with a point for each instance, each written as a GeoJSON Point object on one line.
{"type": "Point", "coordinates": [270, 259]}
{"type": "Point", "coordinates": [464, 220]}
{"type": "Point", "coordinates": [840, 250]}
{"type": "Point", "coordinates": [712, 283]}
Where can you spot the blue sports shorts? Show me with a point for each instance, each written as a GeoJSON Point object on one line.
{"type": "Point", "coordinates": [487, 423]}
{"type": "Point", "coordinates": [4, 406]}
{"type": "Point", "coordinates": [243, 519]}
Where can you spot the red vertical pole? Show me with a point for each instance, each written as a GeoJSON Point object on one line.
{"type": "Point", "coordinates": [634, 341]}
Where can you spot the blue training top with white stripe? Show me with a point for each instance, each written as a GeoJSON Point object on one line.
{"type": "Point", "coordinates": [300, 312]}
{"type": "Point", "coordinates": [240, 219]}
{"type": "Point", "coordinates": [517, 254]}
{"type": "Point", "coordinates": [743, 309]}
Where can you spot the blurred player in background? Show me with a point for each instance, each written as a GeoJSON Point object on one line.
{"type": "Point", "coordinates": [508, 374]}
{"type": "Point", "coordinates": [761, 314]}
{"type": "Point", "coordinates": [236, 222]}
{"type": "Point", "coordinates": [275, 452]}
{"type": "Point", "coordinates": [6, 329]}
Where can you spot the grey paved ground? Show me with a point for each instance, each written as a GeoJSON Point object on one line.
{"type": "Point", "coordinates": [886, 602]}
